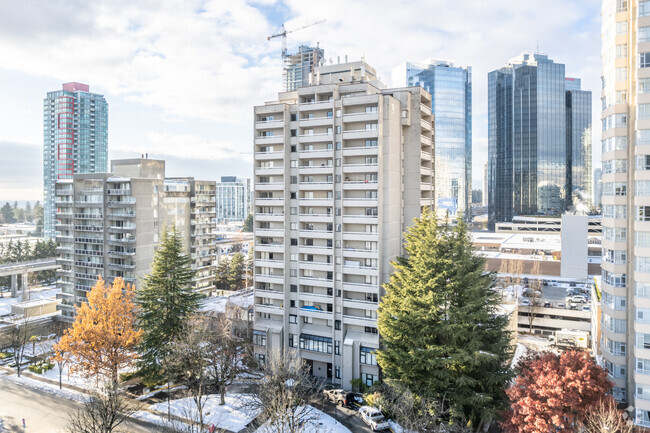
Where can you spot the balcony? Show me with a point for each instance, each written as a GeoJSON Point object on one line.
{"type": "Point", "coordinates": [316, 106]}
{"type": "Point", "coordinates": [359, 320]}
{"type": "Point", "coordinates": [317, 266]}
{"type": "Point", "coordinates": [360, 134]}
{"type": "Point", "coordinates": [269, 186]}
{"type": "Point", "coordinates": [360, 304]}
{"type": "Point", "coordinates": [273, 139]}
{"type": "Point", "coordinates": [318, 201]}
{"type": "Point", "coordinates": [83, 252]}
{"type": "Point", "coordinates": [122, 265]}
{"type": "Point", "coordinates": [315, 281]}
{"type": "Point", "coordinates": [315, 169]}
{"type": "Point", "coordinates": [270, 171]}
{"type": "Point", "coordinates": [269, 201]}
{"type": "Point", "coordinates": [359, 287]}
{"type": "Point", "coordinates": [361, 117]}
{"type": "Point", "coordinates": [118, 191]}
{"type": "Point", "coordinates": [360, 168]}
{"type": "Point", "coordinates": [360, 184]}
{"type": "Point", "coordinates": [88, 216]}
{"type": "Point", "coordinates": [316, 186]}
{"type": "Point", "coordinates": [269, 124]}
{"type": "Point", "coordinates": [89, 264]}
{"type": "Point", "coordinates": [268, 278]}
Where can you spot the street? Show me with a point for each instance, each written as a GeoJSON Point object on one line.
{"type": "Point", "coordinates": [348, 417]}
{"type": "Point", "coordinates": [43, 413]}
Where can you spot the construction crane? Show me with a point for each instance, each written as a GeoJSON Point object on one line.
{"type": "Point", "coordinates": [284, 33]}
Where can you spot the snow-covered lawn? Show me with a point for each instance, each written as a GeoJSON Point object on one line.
{"type": "Point", "coordinates": [45, 387]}
{"type": "Point", "coordinates": [320, 423]}
{"type": "Point", "coordinates": [233, 416]}
{"type": "Point", "coordinates": [34, 293]}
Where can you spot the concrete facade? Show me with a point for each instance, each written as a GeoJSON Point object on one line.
{"type": "Point", "coordinates": [341, 169]}
{"type": "Point", "coordinates": [109, 224]}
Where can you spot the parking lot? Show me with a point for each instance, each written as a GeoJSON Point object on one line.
{"type": "Point", "coordinates": [558, 296]}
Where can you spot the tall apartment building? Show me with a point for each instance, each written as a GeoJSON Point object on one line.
{"type": "Point", "coordinates": [341, 169]}
{"type": "Point", "coordinates": [109, 224]}
{"type": "Point", "coordinates": [298, 67]}
{"type": "Point", "coordinates": [233, 199]}
{"type": "Point", "coordinates": [626, 201]}
{"type": "Point", "coordinates": [597, 188]}
{"type": "Point", "coordinates": [539, 124]}
{"type": "Point", "coordinates": [75, 140]}
{"type": "Point", "coordinates": [450, 87]}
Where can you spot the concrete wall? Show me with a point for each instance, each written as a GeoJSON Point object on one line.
{"type": "Point", "coordinates": [574, 246]}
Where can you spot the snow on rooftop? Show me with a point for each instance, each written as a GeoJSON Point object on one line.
{"type": "Point", "coordinates": [218, 304]}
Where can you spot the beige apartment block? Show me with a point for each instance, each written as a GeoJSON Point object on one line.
{"type": "Point", "coordinates": [625, 284]}
{"type": "Point", "coordinates": [109, 225]}
{"type": "Point", "coordinates": [341, 169]}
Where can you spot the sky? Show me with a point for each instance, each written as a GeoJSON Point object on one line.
{"type": "Point", "coordinates": [181, 77]}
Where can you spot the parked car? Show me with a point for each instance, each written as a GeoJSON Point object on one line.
{"type": "Point", "coordinates": [580, 299]}
{"type": "Point", "coordinates": [525, 302]}
{"type": "Point", "coordinates": [548, 305]}
{"type": "Point", "coordinates": [373, 418]}
{"type": "Point", "coordinates": [586, 308]}
{"type": "Point", "coordinates": [340, 397]}
{"type": "Point", "coordinates": [561, 305]}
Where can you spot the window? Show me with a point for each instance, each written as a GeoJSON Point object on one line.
{"type": "Point", "coordinates": [293, 318]}
{"type": "Point", "coordinates": [614, 347]}
{"type": "Point", "coordinates": [618, 234]}
{"type": "Point", "coordinates": [643, 366]}
{"type": "Point", "coordinates": [621, 51]}
{"type": "Point", "coordinates": [643, 213]}
{"type": "Point", "coordinates": [643, 137]}
{"type": "Point", "coordinates": [371, 109]}
{"type": "Point", "coordinates": [642, 290]}
{"type": "Point", "coordinates": [367, 356]}
{"type": "Point", "coordinates": [294, 117]}
{"type": "Point", "coordinates": [614, 143]}
{"type": "Point", "coordinates": [612, 279]}
{"type": "Point", "coordinates": [611, 189]}
{"type": "Point", "coordinates": [643, 392]}
{"type": "Point", "coordinates": [644, 8]}
{"type": "Point", "coordinates": [644, 85]}
{"type": "Point", "coordinates": [291, 340]}
{"type": "Point", "coordinates": [643, 188]}
{"type": "Point", "coordinates": [307, 319]}
{"type": "Point", "coordinates": [642, 264]}
{"type": "Point", "coordinates": [371, 143]}
{"type": "Point", "coordinates": [643, 111]}
{"type": "Point", "coordinates": [370, 330]}
{"type": "Point", "coordinates": [615, 257]}
{"type": "Point", "coordinates": [371, 126]}
{"type": "Point", "coordinates": [294, 242]}
{"type": "Point", "coordinates": [294, 133]}
{"type": "Point", "coordinates": [259, 338]}
{"type": "Point", "coordinates": [643, 162]}
{"type": "Point", "coordinates": [618, 326]}
{"type": "Point", "coordinates": [292, 195]}
{"type": "Point", "coordinates": [337, 347]}
{"type": "Point", "coordinates": [642, 315]}
{"type": "Point", "coordinates": [643, 341]}
{"type": "Point", "coordinates": [614, 302]}
{"type": "Point", "coordinates": [621, 74]}
{"type": "Point", "coordinates": [293, 148]}
{"type": "Point", "coordinates": [370, 379]}
{"type": "Point", "coordinates": [293, 288]}
{"type": "Point", "coordinates": [618, 211]}
{"type": "Point", "coordinates": [315, 343]}
{"type": "Point", "coordinates": [337, 372]}
{"type": "Point", "coordinates": [621, 28]}
{"type": "Point", "coordinates": [261, 358]}
{"type": "Point", "coordinates": [644, 33]}
{"type": "Point", "coordinates": [644, 60]}
{"type": "Point", "coordinates": [621, 5]}
{"type": "Point", "coordinates": [337, 325]}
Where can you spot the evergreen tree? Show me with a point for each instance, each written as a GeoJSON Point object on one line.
{"type": "Point", "coordinates": [7, 213]}
{"type": "Point", "coordinates": [29, 216]}
{"type": "Point", "coordinates": [223, 271]}
{"type": "Point", "coordinates": [166, 301]}
{"type": "Point", "coordinates": [236, 271]}
{"type": "Point", "coordinates": [38, 216]}
{"type": "Point", "coordinates": [441, 333]}
{"type": "Point", "coordinates": [248, 224]}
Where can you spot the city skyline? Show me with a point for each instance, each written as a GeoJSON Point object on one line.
{"type": "Point", "coordinates": [166, 98]}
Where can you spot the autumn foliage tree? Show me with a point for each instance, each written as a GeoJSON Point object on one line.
{"type": "Point", "coordinates": [103, 337]}
{"type": "Point", "coordinates": [555, 392]}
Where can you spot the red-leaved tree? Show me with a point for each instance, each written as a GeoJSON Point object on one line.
{"type": "Point", "coordinates": [555, 392]}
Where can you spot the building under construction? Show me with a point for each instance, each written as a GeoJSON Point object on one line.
{"type": "Point", "coordinates": [298, 67]}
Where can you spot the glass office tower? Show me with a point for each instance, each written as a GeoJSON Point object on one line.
{"type": "Point", "coordinates": [451, 92]}
{"type": "Point", "coordinates": [75, 140]}
{"type": "Point", "coordinates": [536, 128]}
{"type": "Point", "coordinates": [299, 67]}
{"type": "Point", "coordinates": [579, 141]}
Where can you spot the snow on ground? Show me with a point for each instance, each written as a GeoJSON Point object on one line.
{"type": "Point", "coordinates": [88, 383]}
{"type": "Point", "coordinates": [534, 342]}
{"type": "Point", "coordinates": [320, 423]}
{"type": "Point", "coordinates": [218, 304]}
{"type": "Point", "coordinates": [34, 293]}
{"type": "Point", "coordinates": [233, 416]}
{"type": "Point", "coordinates": [46, 387]}
{"type": "Point", "coordinates": [149, 417]}
{"type": "Point", "coordinates": [520, 352]}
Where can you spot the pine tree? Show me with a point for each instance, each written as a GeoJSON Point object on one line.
{"type": "Point", "coordinates": [166, 301]}
{"type": "Point", "coordinates": [223, 269]}
{"type": "Point", "coordinates": [248, 224]}
{"type": "Point", "coordinates": [29, 216]}
{"type": "Point", "coordinates": [441, 332]}
{"type": "Point", "coordinates": [7, 213]}
{"type": "Point", "coordinates": [236, 271]}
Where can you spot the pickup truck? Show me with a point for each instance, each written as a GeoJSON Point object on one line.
{"type": "Point", "coordinates": [374, 418]}
{"type": "Point", "coordinates": [339, 396]}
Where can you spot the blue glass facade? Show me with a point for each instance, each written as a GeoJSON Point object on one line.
{"type": "Point", "coordinates": [75, 140]}
{"type": "Point", "coordinates": [536, 128]}
{"type": "Point", "coordinates": [451, 93]}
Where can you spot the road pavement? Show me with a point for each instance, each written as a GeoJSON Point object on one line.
{"type": "Point", "coordinates": [43, 412]}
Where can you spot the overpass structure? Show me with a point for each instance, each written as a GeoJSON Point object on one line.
{"type": "Point", "coordinates": [23, 269]}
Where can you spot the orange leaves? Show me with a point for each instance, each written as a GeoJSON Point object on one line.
{"type": "Point", "coordinates": [103, 337]}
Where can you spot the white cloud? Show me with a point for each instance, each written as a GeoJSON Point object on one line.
{"type": "Point", "coordinates": [187, 146]}
{"type": "Point", "coordinates": [210, 60]}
